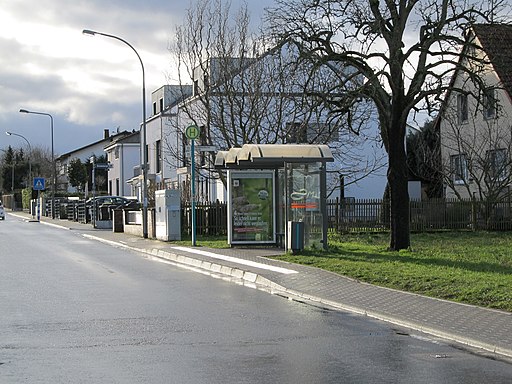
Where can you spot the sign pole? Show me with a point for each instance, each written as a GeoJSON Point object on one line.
{"type": "Point", "coordinates": [192, 133]}
{"type": "Point", "coordinates": [193, 186]}
{"type": "Point", "coordinates": [38, 205]}
{"type": "Point", "coordinates": [94, 206]}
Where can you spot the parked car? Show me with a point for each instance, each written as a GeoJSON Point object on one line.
{"type": "Point", "coordinates": [112, 201]}
{"type": "Point", "coordinates": [2, 211]}
{"type": "Point", "coordinates": [108, 202]}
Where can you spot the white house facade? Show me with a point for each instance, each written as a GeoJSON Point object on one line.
{"type": "Point", "coordinates": [258, 101]}
{"type": "Point", "coordinates": [475, 124]}
{"type": "Point", "coordinates": [123, 154]}
{"type": "Point", "coordinates": [84, 154]}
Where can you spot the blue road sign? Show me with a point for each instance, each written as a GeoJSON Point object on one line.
{"type": "Point", "coordinates": [39, 183]}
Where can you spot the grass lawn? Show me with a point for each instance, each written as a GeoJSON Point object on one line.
{"type": "Point", "coordinates": [473, 268]}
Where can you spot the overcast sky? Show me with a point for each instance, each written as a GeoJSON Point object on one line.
{"type": "Point", "coordinates": [86, 83]}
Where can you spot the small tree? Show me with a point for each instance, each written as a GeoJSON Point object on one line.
{"type": "Point", "coordinates": [8, 169]}
{"type": "Point", "coordinates": [100, 174]}
{"type": "Point", "coordinates": [14, 169]}
{"type": "Point", "coordinates": [77, 173]}
{"type": "Point", "coordinates": [41, 160]}
{"type": "Point", "coordinates": [424, 159]}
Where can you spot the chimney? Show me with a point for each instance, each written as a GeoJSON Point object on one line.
{"type": "Point", "coordinates": [106, 133]}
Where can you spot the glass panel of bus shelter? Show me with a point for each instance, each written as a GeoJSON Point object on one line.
{"type": "Point", "coordinates": [303, 200]}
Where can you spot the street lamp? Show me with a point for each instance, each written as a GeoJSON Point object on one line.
{"type": "Point", "coordinates": [29, 155]}
{"type": "Point", "coordinates": [143, 149]}
{"type": "Point", "coordinates": [53, 158]}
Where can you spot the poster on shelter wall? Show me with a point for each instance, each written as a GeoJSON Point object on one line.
{"type": "Point", "coordinates": [252, 207]}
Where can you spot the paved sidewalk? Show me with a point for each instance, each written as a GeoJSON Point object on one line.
{"type": "Point", "coordinates": [485, 329]}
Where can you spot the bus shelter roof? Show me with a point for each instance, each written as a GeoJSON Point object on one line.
{"type": "Point", "coordinates": [272, 155]}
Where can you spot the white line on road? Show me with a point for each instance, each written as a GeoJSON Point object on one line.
{"type": "Point", "coordinates": [237, 260]}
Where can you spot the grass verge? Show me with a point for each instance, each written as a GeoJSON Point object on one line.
{"type": "Point", "coordinates": [472, 268]}
{"type": "Point", "coordinates": [467, 267]}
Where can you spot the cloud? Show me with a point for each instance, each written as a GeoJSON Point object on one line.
{"type": "Point", "coordinates": [86, 83]}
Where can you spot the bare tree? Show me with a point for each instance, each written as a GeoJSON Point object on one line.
{"type": "Point", "coordinates": [212, 45]}
{"type": "Point", "coordinates": [40, 161]}
{"type": "Point", "coordinates": [245, 92]}
{"type": "Point", "coordinates": [403, 53]}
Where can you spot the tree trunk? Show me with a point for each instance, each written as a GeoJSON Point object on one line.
{"type": "Point", "coordinates": [398, 184]}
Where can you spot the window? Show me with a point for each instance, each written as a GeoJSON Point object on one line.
{"type": "Point", "coordinates": [462, 108]}
{"type": "Point", "coordinates": [203, 140]}
{"type": "Point", "coordinates": [497, 164]}
{"type": "Point", "coordinates": [296, 133]}
{"type": "Point", "coordinates": [322, 133]}
{"type": "Point", "coordinates": [459, 169]}
{"type": "Point", "coordinates": [154, 108]}
{"type": "Point", "coordinates": [489, 103]}
{"type": "Point", "coordinates": [158, 150]}
{"type": "Point", "coordinates": [161, 104]}
{"type": "Point", "coordinates": [184, 142]}
{"type": "Point", "coordinates": [116, 152]}
{"type": "Point", "coordinates": [196, 87]}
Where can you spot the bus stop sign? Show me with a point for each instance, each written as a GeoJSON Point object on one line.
{"type": "Point", "coordinates": [192, 132]}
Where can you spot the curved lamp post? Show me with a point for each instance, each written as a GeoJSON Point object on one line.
{"type": "Point", "coordinates": [29, 155]}
{"type": "Point", "coordinates": [53, 158]}
{"type": "Point", "coordinates": [143, 162]}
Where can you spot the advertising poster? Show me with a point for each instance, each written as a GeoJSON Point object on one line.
{"type": "Point", "coordinates": [252, 207]}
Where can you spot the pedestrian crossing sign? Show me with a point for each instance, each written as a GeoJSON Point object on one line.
{"type": "Point", "coordinates": [39, 184]}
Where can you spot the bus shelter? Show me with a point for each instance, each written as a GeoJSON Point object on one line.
{"type": "Point", "coordinates": [276, 194]}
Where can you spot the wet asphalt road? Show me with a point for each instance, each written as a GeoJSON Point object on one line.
{"type": "Point", "coordinates": [73, 310]}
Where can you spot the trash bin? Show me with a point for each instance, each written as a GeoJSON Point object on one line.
{"type": "Point", "coordinates": [104, 213]}
{"type": "Point", "coordinates": [295, 236]}
{"type": "Point", "coordinates": [118, 220]}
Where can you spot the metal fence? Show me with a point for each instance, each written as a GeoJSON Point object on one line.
{"type": "Point", "coordinates": [211, 219]}
{"type": "Point", "coordinates": [344, 215]}
{"type": "Point", "coordinates": [350, 215]}
{"type": "Point", "coordinates": [373, 215]}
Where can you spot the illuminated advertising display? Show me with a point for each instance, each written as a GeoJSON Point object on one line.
{"type": "Point", "coordinates": [252, 218]}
